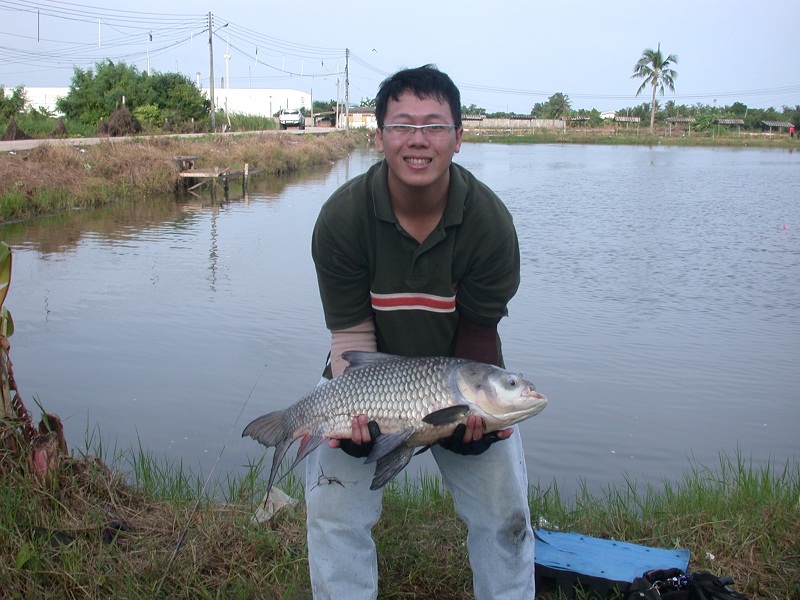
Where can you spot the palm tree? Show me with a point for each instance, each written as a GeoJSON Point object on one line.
{"type": "Point", "coordinates": [656, 71]}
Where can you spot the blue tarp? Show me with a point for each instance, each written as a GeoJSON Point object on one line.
{"type": "Point", "coordinates": [599, 565]}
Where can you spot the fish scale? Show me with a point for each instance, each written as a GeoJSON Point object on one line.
{"type": "Point", "coordinates": [395, 397]}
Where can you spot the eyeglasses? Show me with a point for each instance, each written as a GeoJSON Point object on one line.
{"type": "Point", "coordinates": [433, 131]}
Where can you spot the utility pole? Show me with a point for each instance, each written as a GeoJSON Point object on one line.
{"type": "Point", "coordinates": [211, 75]}
{"type": "Point", "coordinates": [227, 65]}
{"type": "Point", "coordinates": [337, 102]}
{"type": "Point", "coordinates": [347, 90]}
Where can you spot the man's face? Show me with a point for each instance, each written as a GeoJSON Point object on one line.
{"type": "Point", "coordinates": [420, 159]}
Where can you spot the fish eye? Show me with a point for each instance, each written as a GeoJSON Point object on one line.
{"type": "Point", "coordinates": [512, 380]}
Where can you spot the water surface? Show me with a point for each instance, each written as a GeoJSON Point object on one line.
{"type": "Point", "coordinates": [659, 310]}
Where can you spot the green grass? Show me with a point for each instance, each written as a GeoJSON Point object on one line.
{"type": "Point", "coordinates": [631, 138]}
{"type": "Point", "coordinates": [57, 538]}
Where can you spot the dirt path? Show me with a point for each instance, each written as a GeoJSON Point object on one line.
{"type": "Point", "coordinates": [28, 144]}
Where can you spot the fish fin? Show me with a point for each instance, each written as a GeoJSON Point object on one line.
{"type": "Point", "coordinates": [270, 430]}
{"type": "Point", "coordinates": [390, 465]}
{"type": "Point", "coordinates": [446, 416]}
{"type": "Point", "coordinates": [267, 429]}
{"type": "Point", "coordinates": [387, 443]}
{"type": "Point", "coordinates": [308, 444]}
{"type": "Point", "coordinates": [358, 359]}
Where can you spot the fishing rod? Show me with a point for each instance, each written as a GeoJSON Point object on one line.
{"type": "Point", "coordinates": [185, 530]}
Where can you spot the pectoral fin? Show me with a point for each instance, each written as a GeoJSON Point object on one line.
{"type": "Point", "coordinates": [447, 416]}
{"type": "Point", "coordinates": [390, 465]}
{"type": "Point", "coordinates": [386, 444]}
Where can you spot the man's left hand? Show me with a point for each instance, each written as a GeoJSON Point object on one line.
{"type": "Point", "coordinates": [468, 439]}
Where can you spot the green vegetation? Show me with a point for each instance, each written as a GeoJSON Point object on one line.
{"type": "Point", "coordinates": [11, 103]}
{"type": "Point", "coordinates": [94, 531]}
{"type": "Point", "coordinates": [558, 105]}
{"type": "Point", "coordinates": [96, 94]}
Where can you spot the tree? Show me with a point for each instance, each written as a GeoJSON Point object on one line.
{"type": "Point", "coordinates": [96, 94]}
{"type": "Point", "coordinates": [177, 97]}
{"type": "Point", "coordinates": [658, 73]}
{"type": "Point", "coordinates": [472, 109]}
{"type": "Point", "coordinates": [13, 103]}
{"type": "Point", "coordinates": [556, 107]}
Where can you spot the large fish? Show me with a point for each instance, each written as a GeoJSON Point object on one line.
{"type": "Point", "coordinates": [415, 401]}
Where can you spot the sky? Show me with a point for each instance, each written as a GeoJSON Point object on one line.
{"type": "Point", "coordinates": [504, 55]}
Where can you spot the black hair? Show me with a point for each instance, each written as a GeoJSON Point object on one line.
{"type": "Point", "coordinates": [425, 82]}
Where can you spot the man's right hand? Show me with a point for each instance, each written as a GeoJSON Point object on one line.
{"type": "Point", "coordinates": [362, 436]}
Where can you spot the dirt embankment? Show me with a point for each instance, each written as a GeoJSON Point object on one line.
{"type": "Point", "coordinates": [53, 177]}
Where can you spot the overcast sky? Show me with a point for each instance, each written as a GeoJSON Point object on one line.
{"type": "Point", "coordinates": [504, 55]}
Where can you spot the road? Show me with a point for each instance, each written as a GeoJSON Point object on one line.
{"type": "Point", "coordinates": [17, 145]}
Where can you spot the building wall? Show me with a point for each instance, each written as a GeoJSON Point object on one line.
{"type": "Point", "coordinates": [247, 101]}
{"type": "Point", "coordinates": [516, 125]}
{"type": "Point", "coordinates": [45, 97]}
{"type": "Point", "coordinates": [258, 101]}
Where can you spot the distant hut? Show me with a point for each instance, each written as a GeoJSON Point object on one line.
{"type": "Point", "coordinates": [577, 120]}
{"type": "Point", "coordinates": [685, 120]}
{"type": "Point", "coordinates": [627, 120]}
{"type": "Point", "coordinates": [779, 124]}
{"type": "Point", "coordinates": [730, 123]}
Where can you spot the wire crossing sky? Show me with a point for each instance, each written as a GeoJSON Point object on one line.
{"type": "Point", "coordinates": [504, 55]}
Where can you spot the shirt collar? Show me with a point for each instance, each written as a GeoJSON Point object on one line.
{"type": "Point", "coordinates": [456, 196]}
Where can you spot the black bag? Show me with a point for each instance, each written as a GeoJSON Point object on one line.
{"type": "Point", "coordinates": [674, 584]}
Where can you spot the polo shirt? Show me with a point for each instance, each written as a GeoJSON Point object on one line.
{"type": "Point", "coordinates": [369, 267]}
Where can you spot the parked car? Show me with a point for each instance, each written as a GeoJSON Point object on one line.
{"type": "Point", "coordinates": [291, 117]}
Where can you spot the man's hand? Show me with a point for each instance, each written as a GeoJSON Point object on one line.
{"type": "Point", "coordinates": [469, 439]}
{"type": "Point", "coordinates": [363, 434]}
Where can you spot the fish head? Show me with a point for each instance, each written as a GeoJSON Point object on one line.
{"type": "Point", "coordinates": [499, 397]}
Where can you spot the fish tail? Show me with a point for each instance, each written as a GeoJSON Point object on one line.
{"type": "Point", "coordinates": [271, 430]}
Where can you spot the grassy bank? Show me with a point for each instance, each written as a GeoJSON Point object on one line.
{"type": "Point", "coordinates": [631, 138]}
{"type": "Point", "coordinates": [91, 532]}
{"type": "Point", "coordinates": [49, 178]}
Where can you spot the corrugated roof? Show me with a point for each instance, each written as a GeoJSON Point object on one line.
{"type": "Point", "coordinates": [681, 120]}
{"type": "Point", "coordinates": [628, 119]}
{"type": "Point", "coordinates": [729, 121]}
{"type": "Point", "coordinates": [777, 124]}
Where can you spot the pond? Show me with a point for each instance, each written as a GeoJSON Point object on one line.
{"type": "Point", "coordinates": [659, 311]}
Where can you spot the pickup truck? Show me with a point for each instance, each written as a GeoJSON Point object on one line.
{"type": "Point", "coordinates": [291, 117]}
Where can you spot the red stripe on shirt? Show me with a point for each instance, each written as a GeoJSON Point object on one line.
{"type": "Point", "coordinates": [427, 302]}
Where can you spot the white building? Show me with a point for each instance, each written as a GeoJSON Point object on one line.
{"type": "Point", "coordinates": [258, 102]}
{"type": "Point", "coordinates": [44, 97]}
{"type": "Point", "coordinates": [245, 101]}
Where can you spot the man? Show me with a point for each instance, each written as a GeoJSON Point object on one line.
{"type": "Point", "coordinates": [418, 258]}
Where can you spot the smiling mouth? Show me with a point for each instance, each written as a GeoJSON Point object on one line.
{"type": "Point", "coordinates": [418, 162]}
